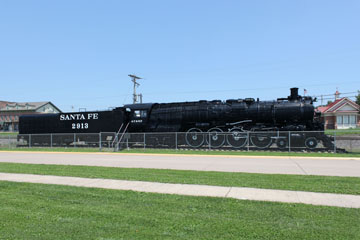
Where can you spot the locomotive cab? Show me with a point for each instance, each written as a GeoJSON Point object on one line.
{"type": "Point", "coordinates": [138, 116]}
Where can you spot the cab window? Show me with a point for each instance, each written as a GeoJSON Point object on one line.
{"type": "Point", "coordinates": [140, 113]}
{"type": "Point", "coordinates": [137, 113]}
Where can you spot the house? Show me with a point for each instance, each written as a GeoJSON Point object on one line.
{"type": "Point", "coordinates": [343, 113]}
{"type": "Point", "coordinates": [10, 112]}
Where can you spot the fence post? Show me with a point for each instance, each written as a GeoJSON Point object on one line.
{"type": "Point", "coordinates": [209, 141]}
{"type": "Point", "coordinates": [176, 135]}
{"type": "Point", "coordinates": [9, 142]}
{"type": "Point", "coordinates": [29, 140]}
{"type": "Point", "coordinates": [51, 140]}
{"type": "Point", "coordinates": [290, 141]}
{"type": "Point", "coordinates": [100, 141]}
{"type": "Point", "coordinates": [74, 140]}
{"type": "Point", "coordinates": [144, 141]}
{"type": "Point", "coordinates": [116, 148]}
{"type": "Point", "coordinates": [334, 141]}
{"type": "Point", "coordinates": [248, 141]}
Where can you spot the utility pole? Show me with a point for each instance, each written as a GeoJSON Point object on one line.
{"type": "Point", "coordinates": [136, 84]}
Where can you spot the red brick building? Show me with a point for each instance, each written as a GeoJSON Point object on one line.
{"type": "Point", "coordinates": [343, 113]}
{"type": "Point", "coordinates": [10, 112]}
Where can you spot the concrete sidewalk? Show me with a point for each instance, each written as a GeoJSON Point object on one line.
{"type": "Point", "coordinates": [346, 167]}
{"type": "Point", "coordinates": [323, 199]}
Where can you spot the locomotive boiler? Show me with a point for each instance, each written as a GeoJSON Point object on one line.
{"type": "Point", "coordinates": [232, 123]}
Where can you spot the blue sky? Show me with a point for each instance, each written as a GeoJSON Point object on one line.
{"type": "Point", "coordinates": [77, 54]}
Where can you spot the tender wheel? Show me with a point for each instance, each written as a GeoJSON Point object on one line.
{"type": "Point", "coordinates": [261, 140]}
{"type": "Point", "coordinates": [216, 136]}
{"type": "Point", "coordinates": [281, 143]}
{"type": "Point", "coordinates": [311, 142]}
{"type": "Point", "coordinates": [194, 137]}
{"type": "Point", "coordinates": [237, 138]}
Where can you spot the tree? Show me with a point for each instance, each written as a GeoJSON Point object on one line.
{"type": "Point", "coordinates": [358, 98]}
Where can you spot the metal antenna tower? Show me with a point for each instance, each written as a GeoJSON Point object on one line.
{"type": "Point", "coordinates": [136, 84]}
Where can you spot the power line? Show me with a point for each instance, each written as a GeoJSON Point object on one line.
{"type": "Point", "coordinates": [325, 95]}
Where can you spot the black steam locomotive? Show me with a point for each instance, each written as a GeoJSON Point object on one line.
{"type": "Point", "coordinates": [232, 123]}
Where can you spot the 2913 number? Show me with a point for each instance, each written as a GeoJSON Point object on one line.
{"type": "Point", "coordinates": [80, 126]}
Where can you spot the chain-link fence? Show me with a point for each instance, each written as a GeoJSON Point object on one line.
{"type": "Point", "coordinates": [334, 141]}
{"type": "Point", "coordinates": [8, 141]}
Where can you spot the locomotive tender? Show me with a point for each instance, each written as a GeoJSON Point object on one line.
{"type": "Point", "coordinates": [234, 122]}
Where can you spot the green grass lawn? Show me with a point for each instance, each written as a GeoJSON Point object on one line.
{"type": "Point", "coordinates": [197, 152]}
{"type": "Point", "coordinates": [38, 211]}
{"type": "Point", "coordinates": [345, 185]}
{"type": "Point", "coordinates": [341, 132]}
{"type": "Point", "coordinates": [55, 149]}
{"type": "Point", "coordinates": [9, 133]}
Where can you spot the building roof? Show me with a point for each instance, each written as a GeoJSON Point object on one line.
{"type": "Point", "coordinates": [321, 109]}
{"type": "Point", "coordinates": [3, 103]}
{"type": "Point", "coordinates": [21, 106]}
{"type": "Point", "coordinates": [338, 104]}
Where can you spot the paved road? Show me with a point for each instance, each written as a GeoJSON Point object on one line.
{"type": "Point", "coordinates": [280, 165]}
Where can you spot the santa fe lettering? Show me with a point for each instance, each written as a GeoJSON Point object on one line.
{"type": "Point", "coordinates": [93, 116]}
{"type": "Point", "coordinates": [79, 116]}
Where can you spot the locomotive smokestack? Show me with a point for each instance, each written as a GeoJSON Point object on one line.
{"type": "Point", "coordinates": [294, 93]}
